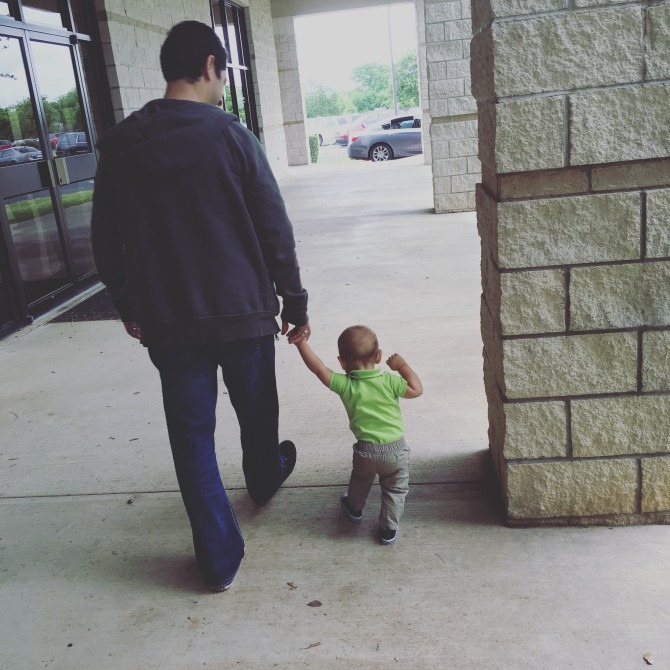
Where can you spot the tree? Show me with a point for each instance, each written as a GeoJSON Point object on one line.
{"type": "Point", "coordinates": [322, 101]}
{"type": "Point", "coordinates": [407, 80]}
{"type": "Point", "coordinates": [373, 86]}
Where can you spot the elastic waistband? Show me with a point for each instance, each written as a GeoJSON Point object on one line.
{"type": "Point", "coordinates": [371, 448]}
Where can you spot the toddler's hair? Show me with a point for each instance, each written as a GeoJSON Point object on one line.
{"type": "Point", "coordinates": [357, 345]}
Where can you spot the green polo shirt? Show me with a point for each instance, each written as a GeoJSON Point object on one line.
{"type": "Point", "coordinates": [371, 400]}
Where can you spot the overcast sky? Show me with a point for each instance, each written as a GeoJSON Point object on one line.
{"type": "Point", "coordinates": [330, 45]}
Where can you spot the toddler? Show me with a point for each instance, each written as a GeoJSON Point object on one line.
{"type": "Point", "coordinates": [370, 397]}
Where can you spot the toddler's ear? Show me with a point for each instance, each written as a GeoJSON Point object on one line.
{"type": "Point", "coordinates": [341, 363]}
{"type": "Point", "coordinates": [378, 357]}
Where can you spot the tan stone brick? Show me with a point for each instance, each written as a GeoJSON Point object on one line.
{"type": "Point", "coordinates": [635, 175]}
{"type": "Point", "coordinates": [658, 42]}
{"type": "Point", "coordinates": [557, 48]}
{"type": "Point", "coordinates": [465, 183]}
{"type": "Point", "coordinates": [620, 296]}
{"type": "Point", "coordinates": [570, 365]}
{"type": "Point", "coordinates": [606, 128]}
{"type": "Point", "coordinates": [658, 224]}
{"type": "Point", "coordinates": [656, 361]}
{"type": "Point", "coordinates": [569, 181]}
{"type": "Point", "coordinates": [533, 302]}
{"type": "Point", "coordinates": [530, 134]}
{"type": "Point", "coordinates": [576, 488]}
{"type": "Point", "coordinates": [452, 202]}
{"type": "Point", "coordinates": [484, 10]}
{"type": "Point", "coordinates": [557, 231]}
{"type": "Point", "coordinates": [617, 426]}
{"type": "Point", "coordinates": [535, 430]}
{"type": "Point", "coordinates": [655, 484]}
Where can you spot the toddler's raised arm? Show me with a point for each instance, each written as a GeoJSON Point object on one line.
{"type": "Point", "coordinates": [414, 386]}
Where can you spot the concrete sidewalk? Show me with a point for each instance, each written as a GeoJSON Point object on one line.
{"type": "Point", "coordinates": [96, 566]}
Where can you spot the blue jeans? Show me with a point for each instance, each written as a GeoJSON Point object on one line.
{"type": "Point", "coordinates": [189, 382]}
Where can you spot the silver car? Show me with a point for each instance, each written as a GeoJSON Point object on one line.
{"type": "Point", "coordinates": [396, 137]}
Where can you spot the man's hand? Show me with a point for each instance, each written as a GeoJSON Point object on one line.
{"type": "Point", "coordinates": [133, 329]}
{"type": "Point", "coordinates": [297, 333]}
{"type": "Point", "coordinates": [395, 362]}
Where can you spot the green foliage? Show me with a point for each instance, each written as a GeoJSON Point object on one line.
{"type": "Point", "coordinates": [373, 87]}
{"type": "Point", "coordinates": [407, 80]}
{"type": "Point", "coordinates": [322, 101]}
{"type": "Point", "coordinates": [64, 113]}
{"type": "Point", "coordinates": [26, 210]}
{"type": "Point", "coordinates": [314, 148]}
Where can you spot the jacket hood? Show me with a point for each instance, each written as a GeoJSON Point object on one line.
{"type": "Point", "coordinates": [165, 135]}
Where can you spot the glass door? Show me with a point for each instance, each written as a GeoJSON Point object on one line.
{"type": "Point", "coordinates": [47, 162]}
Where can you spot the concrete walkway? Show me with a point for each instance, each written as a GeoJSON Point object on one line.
{"type": "Point", "coordinates": [96, 566]}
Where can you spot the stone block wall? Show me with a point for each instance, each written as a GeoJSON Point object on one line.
{"type": "Point", "coordinates": [266, 83]}
{"type": "Point", "coordinates": [447, 29]}
{"type": "Point", "coordinates": [293, 106]}
{"type": "Point", "coordinates": [574, 219]}
{"type": "Point", "coordinates": [132, 33]}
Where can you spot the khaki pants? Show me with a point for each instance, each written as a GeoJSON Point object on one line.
{"type": "Point", "coordinates": [391, 463]}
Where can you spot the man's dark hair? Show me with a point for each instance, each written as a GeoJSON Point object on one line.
{"type": "Point", "coordinates": [185, 51]}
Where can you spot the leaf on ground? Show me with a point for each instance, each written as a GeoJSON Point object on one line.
{"type": "Point", "coordinates": [648, 658]}
{"type": "Point", "coordinates": [311, 646]}
{"type": "Point", "coordinates": [314, 603]}
{"type": "Point", "coordinates": [292, 585]}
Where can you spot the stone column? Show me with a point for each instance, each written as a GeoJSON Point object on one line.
{"type": "Point", "coordinates": [424, 102]}
{"type": "Point", "coordinates": [453, 128]}
{"type": "Point", "coordinates": [293, 105]}
{"type": "Point", "coordinates": [573, 215]}
{"type": "Point", "coordinates": [266, 83]}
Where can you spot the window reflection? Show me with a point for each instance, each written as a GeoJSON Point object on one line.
{"type": "Point", "coordinates": [39, 254]}
{"type": "Point", "coordinates": [77, 202]}
{"type": "Point", "coordinates": [60, 99]}
{"type": "Point", "coordinates": [4, 9]}
{"type": "Point", "coordinates": [17, 116]}
{"type": "Point", "coordinates": [45, 12]}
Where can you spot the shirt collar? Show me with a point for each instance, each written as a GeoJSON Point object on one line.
{"type": "Point", "coordinates": [364, 374]}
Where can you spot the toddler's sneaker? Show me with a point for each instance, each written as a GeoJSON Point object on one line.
{"type": "Point", "coordinates": [387, 535]}
{"type": "Point", "coordinates": [351, 513]}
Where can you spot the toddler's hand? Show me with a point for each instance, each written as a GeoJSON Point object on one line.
{"type": "Point", "coordinates": [395, 362]}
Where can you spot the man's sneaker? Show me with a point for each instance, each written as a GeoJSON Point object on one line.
{"type": "Point", "coordinates": [220, 588]}
{"type": "Point", "coordinates": [351, 513]}
{"type": "Point", "coordinates": [287, 458]}
{"type": "Point", "coordinates": [387, 535]}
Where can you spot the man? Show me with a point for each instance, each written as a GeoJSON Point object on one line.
{"type": "Point", "coordinates": [191, 237]}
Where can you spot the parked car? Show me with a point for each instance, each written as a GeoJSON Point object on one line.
{"type": "Point", "coordinates": [72, 143]}
{"type": "Point", "coordinates": [29, 152]}
{"type": "Point", "coordinates": [15, 155]}
{"type": "Point", "coordinates": [29, 142]}
{"type": "Point", "coordinates": [396, 137]}
{"type": "Point", "coordinates": [5, 143]}
{"type": "Point", "coordinates": [326, 127]}
{"type": "Point", "coordinates": [361, 122]}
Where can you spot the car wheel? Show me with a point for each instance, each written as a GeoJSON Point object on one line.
{"type": "Point", "coordinates": [380, 152]}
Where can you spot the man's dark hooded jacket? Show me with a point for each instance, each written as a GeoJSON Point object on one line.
{"type": "Point", "coordinates": [190, 233]}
